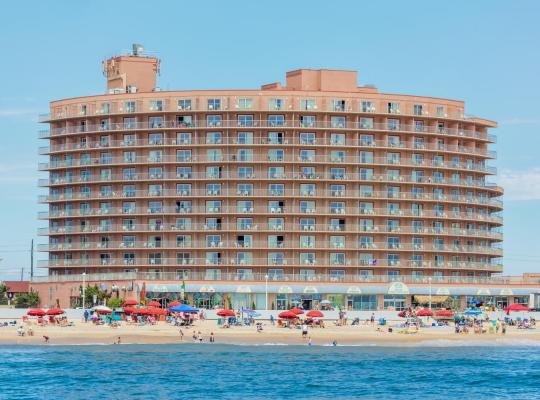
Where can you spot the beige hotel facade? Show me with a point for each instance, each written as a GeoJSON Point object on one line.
{"type": "Point", "coordinates": [318, 189]}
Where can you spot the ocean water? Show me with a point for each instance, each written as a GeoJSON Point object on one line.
{"type": "Point", "coordinates": [202, 371]}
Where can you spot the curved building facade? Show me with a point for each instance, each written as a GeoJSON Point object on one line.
{"type": "Point", "coordinates": [319, 180]}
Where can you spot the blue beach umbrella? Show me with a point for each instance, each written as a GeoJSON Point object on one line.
{"type": "Point", "coordinates": [472, 312]}
{"type": "Point", "coordinates": [183, 308]}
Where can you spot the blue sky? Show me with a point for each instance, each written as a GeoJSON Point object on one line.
{"type": "Point", "coordinates": [484, 52]}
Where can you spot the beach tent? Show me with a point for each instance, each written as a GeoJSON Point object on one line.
{"type": "Point", "coordinates": [183, 308]}
{"type": "Point", "coordinates": [174, 303]}
{"type": "Point", "coordinates": [154, 304]}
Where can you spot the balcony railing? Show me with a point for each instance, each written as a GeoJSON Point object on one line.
{"type": "Point", "coordinates": [337, 194]}
{"type": "Point", "coordinates": [264, 245]}
{"type": "Point", "coordinates": [261, 175]}
{"type": "Point", "coordinates": [262, 277]}
{"type": "Point", "coordinates": [264, 227]}
{"type": "Point", "coordinates": [290, 211]}
{"type": "Point", "coordinates": [265, 124]}
{"type": "Point", "coordinates": [271, 263]}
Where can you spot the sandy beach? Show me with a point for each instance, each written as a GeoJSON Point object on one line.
{"type": "Point", "coordinates": [163, 333]}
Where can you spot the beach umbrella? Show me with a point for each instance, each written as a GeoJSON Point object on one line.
{"type": "Point", "coordinates": [296, 311]}
{"type": "Point", "coordinates": [36, 312]}
{"type": "Point", "coordinates": [472, 312]}
{"type": "Point", "coordinates": [184, 308]}
{"type": "Point", "coordinates": [251, 313]}
{"type": "Point", "coordinates": [102, 309]}
{"type": "Point", "coordinates": [129, 310]}
{"type": "Point", "coordinates": [130, 303]}
{"type": "Point", "coordinates": [55, 311]}
{"type": "Point", "coordinates": [444, 313]}
{"type": "Point", "coordinates": [226, 313]}
{"type": "Point", "coordinates": [425, 313]}
{"type": "Point", "coordinates": [174, 303]}
{"type": "Point", "coordinates": [287, 315]}
{"type": "Point", "coordinates": [402, 314]}
{"type": "Point", "coordinates": [315, 314]}
{"type": "Point", "coordinates": [154, 304]}
{"type": "Point", "coordinates": [516, 307]}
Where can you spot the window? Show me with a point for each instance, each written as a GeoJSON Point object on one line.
{"type": "Point", "coordinates": [337, 122]}
{"type": "Point", "coordinates": [245, 138]}
{"type": "Point", "coordinates": [183, 138]}
{"type": "Point", "coordinates": [418, 109]}
{"type": "Point", "coordinates": [214, 104]}
{"type": "Point", "coordinates": [276, 137]}
{"type": "Point", "coordinates": [308, 104]}
{"type": "Point", "coordinates": [338, 105]}
{"type": "Point", "coordinates": [183, 155]}
{"type": "Point", "coordinates": [245, 104]}
{"type": "Point", "coordinates": [276, 120]}
{"type": "Point", "coordinates": [367, 106]}
{"type": "Point", "coordinates": [337, 139]}
{"type": "Point", "coordinates": [213, 120]}
{"type": "Point", "coordinates": [245, 120]}
{"type": "Point", "coordinates": [366, 123]}
{"type": "Point", "coordinates": [307, 121]}
{"type": "Point", "coordinates": [276, 104]}
{"type": "Point", "coordinates": [393, 108]}
{"type": "Point", "coordinates": [184, 121]}
{"type": "Point", "coordinates": [394, 302]}
{"type": "Point", "coordinates": [184, 104]}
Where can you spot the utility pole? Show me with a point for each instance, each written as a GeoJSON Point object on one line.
{"type": "Point", "coordinates": [22, 273]}
{"type": "Point", "coordinates": [31, 259]}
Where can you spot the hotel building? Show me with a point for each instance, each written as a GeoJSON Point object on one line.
{"type": "Point", "coordinates": [318, 189]}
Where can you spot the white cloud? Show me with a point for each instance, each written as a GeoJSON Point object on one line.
{"type": "Point", "coordinates": [520, 185]}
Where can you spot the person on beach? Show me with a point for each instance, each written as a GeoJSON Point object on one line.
{"type": "Point", "coordinates": [46, 338]}
{"type": "Point", "coordinates": [372, 319]}
{"type": "Point", "coordinates": [200, 337]}
{"type": "Point", "coordinates": [334, 343]}
{"type": "Point", "coordinates": [30, 332]}
{"type": "Point", "coordinates": [503, 328]}
{"type": "Point", "coordinates": [272, 320]}
{"type": "Point", "coordinates": [304, 330]}
{"type": "Point", "coordinates": [86, 315]}
{"type": "Point", "coordinates": [309, 341]}
{"type": "Point", "coordinates": [118, 340]}
{"type": "Point", "coordinates": [20, 331]}
{"type": "Point", "coordinates": [181, 334]}
{"type": "Point", "coordinates": [212, 338]}
{"type": "Point", "coordinates": [194, 337]}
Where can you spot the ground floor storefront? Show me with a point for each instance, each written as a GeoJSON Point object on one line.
{"type": "Point", "coordinates": [391, 296]}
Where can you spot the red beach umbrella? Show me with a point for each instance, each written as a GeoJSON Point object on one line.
{"type": "Point", "coordinates": [36, 312]}
{"type": "Point", "coordinates": [287, 315]}
{"type": "Point", "coordinates": [315, 314]}
{"type": "Point", "coordinates": [226, 313]}
{"type": "Point", "coordinates": [444, 313]}
{"type": "Point", "coordinates": [174, 303]}
{"type": "Point", "coordinates": [425, 313]}
{"type": "Point", "coordinates": [154, 304]}
{"type": "Point", "coordinates": [129, 310]}
{"type": "Point", "coordinates": [130, 303]}
{"type": "Point", "coordinates": [55, 311]}
{"type": "Point", "coordinates": [296, 311]}
{"type": "Point", "coordinates": [516, 307]}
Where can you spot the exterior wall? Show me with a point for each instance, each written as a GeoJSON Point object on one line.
{"type": "Point", "coordinates": [396, 190]}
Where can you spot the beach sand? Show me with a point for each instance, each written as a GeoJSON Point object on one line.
{"type": "Point", "coordinates": [163, 333]}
